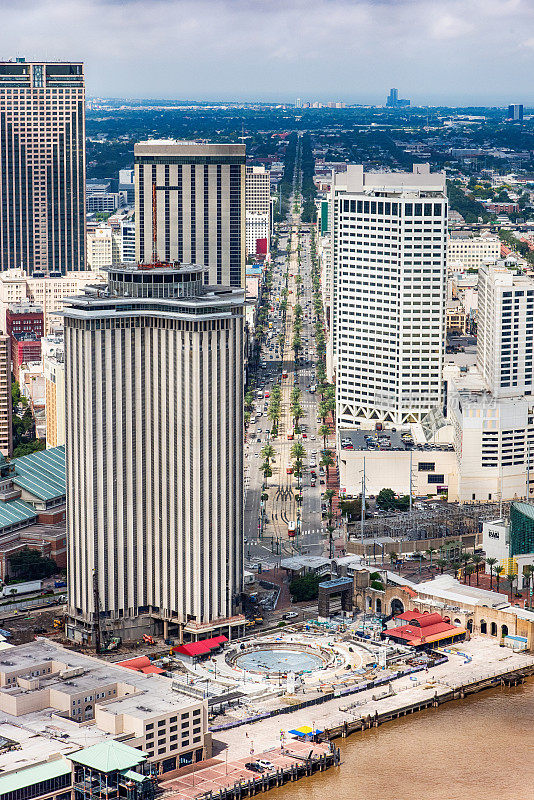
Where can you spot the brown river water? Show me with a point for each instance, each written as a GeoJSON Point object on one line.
{"type": "Point", "coordinates": [481, 748]}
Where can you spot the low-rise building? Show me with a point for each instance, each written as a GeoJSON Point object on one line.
{"type": "Point", "coordinates": [471, 249]}
{"type": "Point", "coordinates": [53, 364]}
{"type": "Point", "coordinates": [44, 687]}
{"type": "Point", "coordinates": [393, 460]}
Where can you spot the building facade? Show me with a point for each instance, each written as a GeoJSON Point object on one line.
{"type": "Point", "coordinates": [190, 206]}
{"type": "Point", "coordinates": [16, 286]}
{"type": "Point", "coordinates": [6, 408]}
{"type": "Point", "coordinates": [42, 180]}
{"type": "Point", "coordinates": [53, 359]}
{"type": "Point", "coordinates": [505, 330]}
{"type": "Point", "coordinates": [387, 328]}
{"type": "Point", "coordinates": [154, 450]}
{"type": "Point", "coordinates": [472, 251]}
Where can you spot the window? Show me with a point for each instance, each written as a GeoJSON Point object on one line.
{"type": "Point", "coordinates": [436, 478]}
{"type": "Point", "coordinates": [426, 466]}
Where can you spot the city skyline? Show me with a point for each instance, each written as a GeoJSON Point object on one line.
{"type": "Point", "coordinates": [242, 49]}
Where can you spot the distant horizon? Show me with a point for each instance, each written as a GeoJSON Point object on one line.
{"type": "Point", "coordinates": [291, 102]}
{"type": "Point", "coordinates": [449, 53]}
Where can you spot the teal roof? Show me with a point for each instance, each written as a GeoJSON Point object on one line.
{"type": "Point", "coordinates": [525, 508]}
{"type": "Point", "coordinates": [16, 511]}
{"type": "Point", "coordinates": [32, 775]}
{"type": "Point", "coordinates": [136, 776]}
{"type": "Point", "coordinates": [109, 756]}
{"type": "Point", "coordinates": [42, 474]}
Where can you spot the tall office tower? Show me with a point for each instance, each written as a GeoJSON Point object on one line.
{"type": "Point", "coordinates": [190, 206]}
{"type": "Point", "coordinates": [257, 210]}
{"type": "Point", "coordinates": [392, 98]}
{"type": "Point", "coordinates": [505, 330]}
{"type": "Point", "coordinates": [388, 294]}
{"type": "Point", "coordinates": [6, 412]}
{"type": "Point", "coordinates": [154, 454]}
{"type": "Point", "coordinates": [298, 103]}
{"type": "Point", "coordinates": [42, 166]}
{"type": "Point", "coordinates": [515, 112]}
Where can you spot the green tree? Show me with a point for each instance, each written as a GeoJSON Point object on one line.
{"type": "Point", "coordinates": [305, 587]}
{"type": "Point", "coordinates": [477, 560]}
{"type": "Point", "coordinates": [31, 565]}
{"type": "Point", "coordinates": [324, 431]}
{"type": "Point", "coordinates": [498, 572]}
{"type": "Point", "coordinates": [327, 461]}
{"type": "Point", "coordinates": [491, 563]}
{"type": "Point", "coordinates": [352, 509]}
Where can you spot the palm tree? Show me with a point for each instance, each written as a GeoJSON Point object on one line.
{"type": "Point", "coordinates": [298, 451]}
{"type": "Point", "coordinates": [442, 563]}
{"type": "Point", "coordinates": [465, 558]}
{"type": "Point", "coordinates": [430, 552]}
{"type": "Point", "coordinates": [266, 469]}
{"type": "Point", "coordinates": [498, 572]}
{"type": "Point", "coordinates": [323, 431]}
{"type": "Point", "coordinates": [328, 497]}
{"type": "Point", "coordinates": [477, 560]}
{"type": "Point", "coordinates": [469, 569]}
{"type": "Point", "coordinates": [511, 579]}
{"type": "Point", "coordinates": [528, 572]}
{"type": "Point", "coordinates": [330, 529]}
{"type": "Point", "coordinates": [491, 563]}
{"type": "Point", "coordinates": [327, 461]}
{"type": "Point", "coordinates": [393, 556]}
{"type": "Point", "coordinates": [268, 452]}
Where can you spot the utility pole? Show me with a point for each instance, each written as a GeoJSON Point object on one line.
{"type": "Point", "coordinates": [363, 504]}
{"type": "Point", "coordinates": [411, 479]}
{"type": "Point", "coordinates": [528, 471]}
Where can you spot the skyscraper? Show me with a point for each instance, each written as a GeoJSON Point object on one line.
{"type": "Point", "coordinates": [190, 206]}
{"type": "Point", "coordinates": [387, 334]}
{"type": "Point", "coordinates": [154, 454]}
{"type": "Point", "coordinates": [42, 166]}
{"type": "Point", "coordinates": [258, 209]}
{"type": "Point", "coordinates": [515, 112]}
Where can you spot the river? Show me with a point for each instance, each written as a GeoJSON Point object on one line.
{"type": "Point", "coordinates": [481, 748]}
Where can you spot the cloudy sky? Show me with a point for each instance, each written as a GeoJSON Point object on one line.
{"type": "Point", "coordinates": [435, 51]}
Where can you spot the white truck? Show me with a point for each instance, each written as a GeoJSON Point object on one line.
{"type": "Point", "coordinates": [26, 587]}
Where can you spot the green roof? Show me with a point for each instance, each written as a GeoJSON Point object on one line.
{"type": "Point", "coordinates": [32, 775]}
{"type": "Point", "coordinates": [525, 508]}
{"type": "Point", "coordinates": [134, 776]}
{"type": "Point", "coordinates": [15, 511]}
{"type": "Point", "coordinates": [42, 474]}
{"type": "Point", "coordinates": [109, 756]}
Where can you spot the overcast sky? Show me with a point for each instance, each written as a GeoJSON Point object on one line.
{"type": "Point", "coordinates": [435, 51]}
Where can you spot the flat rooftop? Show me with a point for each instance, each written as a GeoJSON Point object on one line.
{"type": "Point", "coordinates": [387, 440]}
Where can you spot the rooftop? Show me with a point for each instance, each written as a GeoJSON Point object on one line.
{"type": "Point", "coordinates": [383, 440]}
{"type": "Point", "coordinates": [42, 474]}
{"type": "Point", "coordinates": [109, 756]}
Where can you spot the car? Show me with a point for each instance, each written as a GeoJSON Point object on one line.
{"type": "Point", "coordinates": [258, 439]}
{"type": "Point", "coordinates": [261, 762]}
{"type": "Point", "coordinates": [256, 455]}
{"type": "Point", "coordinates": [290, 615]}
{"type": "Point", "coordinates": [312, 437]}
{"type": "Point", "coordinates": [253, 766]}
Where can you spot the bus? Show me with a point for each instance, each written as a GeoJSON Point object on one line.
{"type": "Point", "coordinates": [291, 528]}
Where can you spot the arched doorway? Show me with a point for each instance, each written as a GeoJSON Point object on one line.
{"type": "Point", "coordinates": [470, 625]}
{"type": "Point", "coordinates": [504, 630]}
{"type": "Point", "coordinates": [457, 621]}
{"type": "Point", "coordinates": [483, 626]}
{"type": "Point", "coordinates": [369, 604]}
{"type": "Point", "coordinates": [397, 607]}
{"type": "Point", "coordinates": [493, 629]}
{"type": "Point", "coordinates": [378, 605]}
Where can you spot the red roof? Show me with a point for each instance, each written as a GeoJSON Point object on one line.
{"type": "Point", "coordinates": [136, 663]}
{"type": "Point", "coordinates": [200, 648]}
{"type": "Point", "coordinates": [152, 670]}
{"type": "Point", "coordinates": [427, 628]}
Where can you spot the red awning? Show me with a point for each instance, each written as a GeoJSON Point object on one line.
{"type": "Point", "coordinates": [200, 648]}
{"type": "Point", "coordinates": [136, 663]}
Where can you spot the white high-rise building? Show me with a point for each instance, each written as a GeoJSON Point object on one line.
{"type": "Point", "coordinates": [127, 241]}
{"type": "Point", "coordinates": [154, 454]}
{"type": "Point", "coordinates": [387, 295]}
{"type": "Point", "coordinates": [491, 407]}
{"type": "Point", "coordinates": [194, 192]}
{"type": "Point", "coordinates": [257, 209]}
{"type": "Point", "coordinates": [505, 330]}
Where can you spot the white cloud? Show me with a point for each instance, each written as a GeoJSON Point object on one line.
{"type": "Point", "coordinates": [345, 48]}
